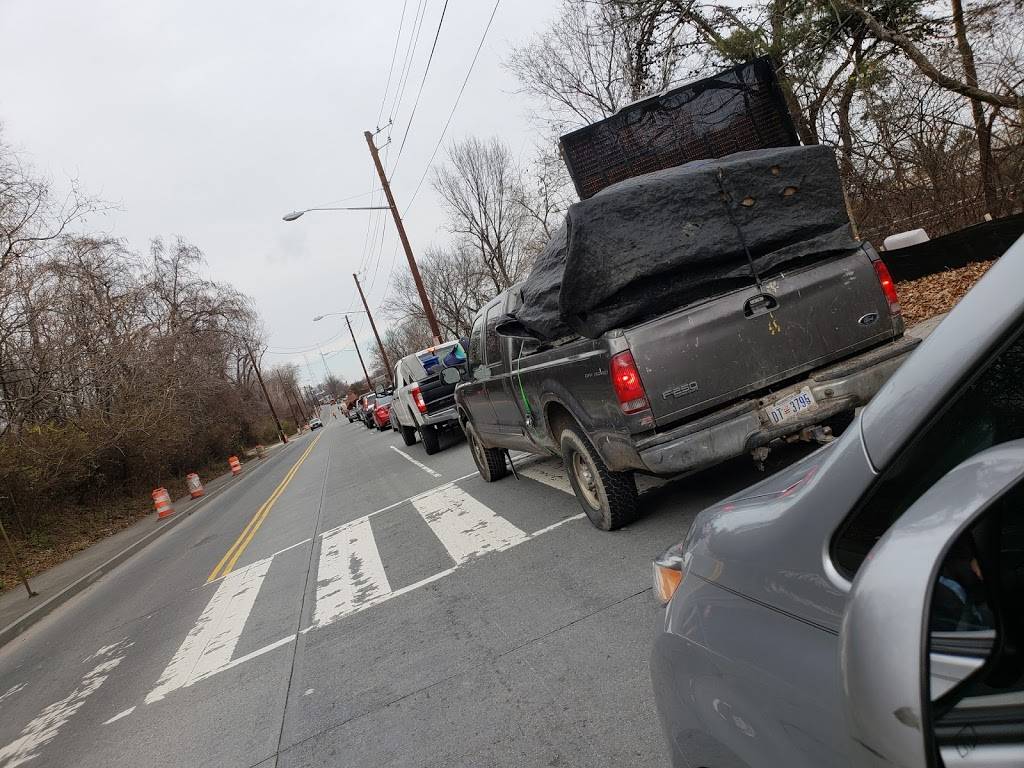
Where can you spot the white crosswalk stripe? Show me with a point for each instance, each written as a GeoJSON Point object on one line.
{"type": "Point", "coordinates": [465, 526]}
{"type": "Point", "coordinates": [208, 648]}
{"type": "Point", "coordinates": [350, 572]}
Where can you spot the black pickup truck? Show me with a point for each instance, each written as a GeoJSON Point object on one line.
{"type": "Point", "coordinates": [687, 389]}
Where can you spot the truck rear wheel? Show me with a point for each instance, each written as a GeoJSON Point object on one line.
{"type": "Point", "coordinates": [490, 462]}
{"type": "Point", "coordinates": [408, 435]}
{"type": "Point", "coordinates": [608, 498]}
{"type": "Point", "coordinates": [431, 442]}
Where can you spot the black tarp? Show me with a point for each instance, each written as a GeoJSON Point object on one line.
{"type": "Point", "coordinates": [654, 243]}
{"type": "Point", "coordinates": [736, 110]}
{"type": "Point", "coordinates": [980, 242]}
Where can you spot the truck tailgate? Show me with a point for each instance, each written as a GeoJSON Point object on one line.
{"type": "Point", "coordinates": [724, 348]}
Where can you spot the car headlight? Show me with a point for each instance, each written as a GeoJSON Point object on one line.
{"type": "Point", "coordinates": [669, 569]}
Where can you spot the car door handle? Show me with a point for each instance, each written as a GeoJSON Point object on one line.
{"type": "Point", "coordinates": [760, 304]}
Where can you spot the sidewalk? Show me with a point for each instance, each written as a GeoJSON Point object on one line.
{"type": "Point", "coordinates": [18, 611]}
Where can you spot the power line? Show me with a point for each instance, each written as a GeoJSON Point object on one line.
{"type": "Point", "coordinates": [455, 106]}
{"type": "Point", "coordinates": [410, 52]}
{"type": "Point", "coordinates": [419, 92]}
{"type": "Point", "coordinates": [391, 69]}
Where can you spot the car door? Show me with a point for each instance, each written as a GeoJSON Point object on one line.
{"type": "Point", "coordinates": [500, 384]}
{"type": "Point", "coordinates": [473, 392]}
{"type": "Point", "coordinates": [943, 590]}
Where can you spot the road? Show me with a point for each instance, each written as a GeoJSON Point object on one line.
{"type": "Point", "coordinates": [350, 601]}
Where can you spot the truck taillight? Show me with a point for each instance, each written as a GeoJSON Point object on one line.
{"type": "Point", "coordinates": [888, 287]}
{"type": "Point", "coordinates": [417, 397]}
{"type": "Point", "coordinates": [626, 380]}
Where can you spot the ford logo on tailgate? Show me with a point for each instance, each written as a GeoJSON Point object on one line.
{"type": "Point", "coordinates": [869, 319]}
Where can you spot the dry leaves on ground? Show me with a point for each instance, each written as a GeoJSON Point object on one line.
{"type": "Point", "coordinates": [934, 294]}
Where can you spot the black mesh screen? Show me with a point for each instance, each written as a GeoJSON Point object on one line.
{"type": "Point", "coordinates": [736, 110]}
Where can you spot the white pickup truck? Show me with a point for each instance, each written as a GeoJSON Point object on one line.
{"type": "Point", "coordinates": [422, 402]}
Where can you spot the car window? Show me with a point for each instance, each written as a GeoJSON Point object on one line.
{"type": "Point", "coordinates": [987, 411]}
{"type": "Point", "coordinates": [475, 338]}
{"type": "Point", "coordinates": [492, 341]}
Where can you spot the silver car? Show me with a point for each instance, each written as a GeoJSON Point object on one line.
{"type": "Point", "coordinates": [865, 607]}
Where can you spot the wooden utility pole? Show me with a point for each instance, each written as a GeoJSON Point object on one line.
{"type": "Point", "coordinates": [259, 378]}
{"type": "Point", "coordinates": [356, 345]}
{"type": "Point", "coordinates": [373, 325]}
{"type": "Point", "coordinates": [16, 561]}
{"type": "Point", "coordinates": [428, 310]}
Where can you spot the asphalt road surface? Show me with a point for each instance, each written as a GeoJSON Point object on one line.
{"type": "Point", "coordinates": [351, 601]}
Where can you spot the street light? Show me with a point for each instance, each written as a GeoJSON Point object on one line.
{"type": "Point", "coordinates": [296, 214]}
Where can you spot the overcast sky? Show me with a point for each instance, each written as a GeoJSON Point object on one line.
{"type": "Point", "coordinates": [210, 120]}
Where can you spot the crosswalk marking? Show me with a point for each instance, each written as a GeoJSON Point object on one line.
{"type": "Point", "coordinates": [350, 572]}
{"type": "Point", "coordinates": [552, 475]}
{"type": "Point", "coordinates": [210, 644]}
{"type": "Point", "coordinates": [47, 724]}
{"type": "Point", "coordinates": [466, 527]}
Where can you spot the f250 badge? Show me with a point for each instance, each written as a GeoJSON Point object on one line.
{"type": "Point", "coordinates": [681, 391]}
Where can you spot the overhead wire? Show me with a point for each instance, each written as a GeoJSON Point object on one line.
{"type": "Point", "coordinates": [410, 54]}
{"type": "Point", "coordinates": [419, 92]}
{"type": "Point", "coordinates": [455, 106]}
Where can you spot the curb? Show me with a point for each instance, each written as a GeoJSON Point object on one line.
{"type": "Point", "coordinates": [18, 626]}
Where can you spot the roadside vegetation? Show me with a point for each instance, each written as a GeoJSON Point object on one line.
{"type": "Point", "coordinates": [119, 372]}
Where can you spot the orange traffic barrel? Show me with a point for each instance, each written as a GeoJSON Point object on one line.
{"type": "Point", "coordinates": [162, 502]}
{"type": "Point", "coordinates": [261, 452]}
{"type": "Point", "coordinates": [195, 485]}
{"type": "Point", "coordinates": [235, 464]}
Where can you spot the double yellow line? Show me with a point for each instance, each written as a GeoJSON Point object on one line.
{"type": "Point", "coordinates": [235, 551]}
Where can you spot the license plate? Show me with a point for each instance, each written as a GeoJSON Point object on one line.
{"type": "Point", "coordinates": [789, 407]}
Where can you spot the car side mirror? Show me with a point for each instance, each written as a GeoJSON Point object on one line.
{"type": "Point", "coordinates": [451, 375]}
{"type": "Point", "coordinates": [885, 642]}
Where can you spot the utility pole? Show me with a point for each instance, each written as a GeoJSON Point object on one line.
{"type": "Point", "coordinates": [424, 299]}
{"type": "Point", "coordinates": [17, 562]}
{"type": "Point", "coordinates": [373, 325]}
{"type": "Point", "coordinates": [356, 345]}
{"type": "Point", "coordinates": [259, 377]}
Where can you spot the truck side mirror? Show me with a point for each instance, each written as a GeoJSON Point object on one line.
{"type": "Point", "coordinates": [451, 375]}
{"type": "Point", "coordinates": [899, 710]}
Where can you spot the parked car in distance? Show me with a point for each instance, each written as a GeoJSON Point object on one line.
{"type": "Point", "coordinates": [382, 413]}
{"type": "Point", "coordinates": [315, 423]}
{"type": "Point", "coordinates": [367, 402]}
{"type": "Point", "coordinates": [863, 606]}
{"type": "Point", "coordinates": [687, 389]}
{"type": "Point", "coordinates": [425, 404]}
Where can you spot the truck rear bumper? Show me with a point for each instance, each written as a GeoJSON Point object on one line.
{"type": "Point", "coordinates": [440, 417]}
{"type": "Point", "coordinates": [743, 426]}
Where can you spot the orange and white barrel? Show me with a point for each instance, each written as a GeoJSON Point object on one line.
{"type": "Point", "coordinates": [235, 464]}
{"type": "Point", "coordinates": [162, 502]}
{"type": "Point", "coordinates": [195, 485]}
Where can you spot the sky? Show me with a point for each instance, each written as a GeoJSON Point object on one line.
{"type": "Point", "coordinates": [211, 120]}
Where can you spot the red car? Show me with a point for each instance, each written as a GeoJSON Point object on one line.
{"type": "Point", "coordinates": [382, 413]}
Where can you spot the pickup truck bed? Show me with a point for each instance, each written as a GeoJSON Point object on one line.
{"type": "Point", "coordinates": [704, 383]}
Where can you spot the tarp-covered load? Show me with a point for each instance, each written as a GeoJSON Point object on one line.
{"type": "Point", "coordinates": [656, 242]}
{"type": "Point", "coordinates": [737, 110]}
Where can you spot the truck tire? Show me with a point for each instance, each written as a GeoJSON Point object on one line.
{"type": "Point", "coordinates": [408, 435]}
{"type": "Point", "coordinates": [608, 498]}
{"type": "Point", "coordinates": [490, 462]}
{"type": "Point", "coordinates": [431, 442]}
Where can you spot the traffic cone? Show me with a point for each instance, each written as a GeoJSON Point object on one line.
{"type": "Point", "coordinates": [235, 464]}
{"type": "Point", "coordinates": [195, 485]}
{"type": "Point", "coordinates": [162, 502]}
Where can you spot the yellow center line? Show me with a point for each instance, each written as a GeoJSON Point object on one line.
{"type": "Point", "coordinates": [235, 551]}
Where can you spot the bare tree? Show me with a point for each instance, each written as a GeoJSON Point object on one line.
{"type": "Point", "coordinates": [482, 187]}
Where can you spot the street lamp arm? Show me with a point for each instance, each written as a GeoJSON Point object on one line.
{"type": "Point", "coordinates": [296, 214]}
{"type": "Point", "coordinates": [339, 314]}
